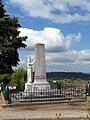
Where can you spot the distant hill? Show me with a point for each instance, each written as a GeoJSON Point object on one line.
{"type": "Point", "coordinates": [69, 75]}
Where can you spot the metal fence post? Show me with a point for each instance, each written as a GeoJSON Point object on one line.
{"type": "Point", "coordinates": [7, 94]}
{"type": "Point", "coordinates": [88, 89]}
{"type": "Point", "coordinates": [3, 85]}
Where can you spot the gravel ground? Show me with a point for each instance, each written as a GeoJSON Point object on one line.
{"type": "Point", "coordinates": [72, 111]}
{"type": "Point", "coordinates": [44, 111]}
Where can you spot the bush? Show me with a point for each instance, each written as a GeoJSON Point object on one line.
{"type": "Point", "coordinates": [5, 78]}
{"type": "Point", "coordinates": [19, 78]}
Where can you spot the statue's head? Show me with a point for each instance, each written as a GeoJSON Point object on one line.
{"type": "Point", "coordinates": [29, 59]}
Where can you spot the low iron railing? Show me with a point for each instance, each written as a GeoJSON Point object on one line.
{"type": "Point", "coordinates": [65, 92]}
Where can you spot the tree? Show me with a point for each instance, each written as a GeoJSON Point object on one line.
{"type": "Point", "coordinates": [10, 42]}
{"type": "Point", "coordinates": [5, 78]}
{"type": "Point", "coordinates": [19, 77]}
{"type": "Point", "coordinates": [2, 10]}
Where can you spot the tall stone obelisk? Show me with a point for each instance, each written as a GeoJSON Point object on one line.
{"type": "Point", "coordinates": [40, 68]}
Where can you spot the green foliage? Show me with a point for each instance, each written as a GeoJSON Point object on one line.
{"type": "Point", "coordinates": [2, 11]}
{"type": "Point", "coordinates": [79, 80]}
{"type": "Point", "coordinates": [55, 84]}
{"type": "Point", "coordinates": [58, 85]}
{"type": "Point", "coordinates": [10, 42]}
{"type": "Point", "coordinates": [19, 77]}
{"type": "Point", "coordinates": [5, 78]}
{"type": "Point", "coordinates": [51, 83]}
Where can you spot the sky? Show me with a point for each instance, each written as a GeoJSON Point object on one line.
{"type": "Point", "coordinates": [62, 25]}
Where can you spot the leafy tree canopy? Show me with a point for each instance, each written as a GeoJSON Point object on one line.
{"type": "Point", "coordinates": [2, 10]}
{"type": "Point", "coordinates": [10, 41]}
{"type": "Point", "coordinates": [5, 78]}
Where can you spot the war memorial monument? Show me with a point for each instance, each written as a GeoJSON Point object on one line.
{"type": "Point", "coordinates": [39, 63]}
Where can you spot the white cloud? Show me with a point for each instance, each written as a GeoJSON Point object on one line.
{"type": "Point", "coordinates": [77, 61]}
{"type": "Point", "coordinates": [83, 4]}
{"type": "Point", "coordinates": [53, 39]}
{"type": "Point", "coordinates": [68, 10]}
{"type": "Point", "coordinates": [69, 56]}
{"type": "Point", "coordinates": [70, 61]}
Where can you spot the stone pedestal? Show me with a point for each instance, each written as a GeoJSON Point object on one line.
{"type": "Point", "coordinates": [28, 87]}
